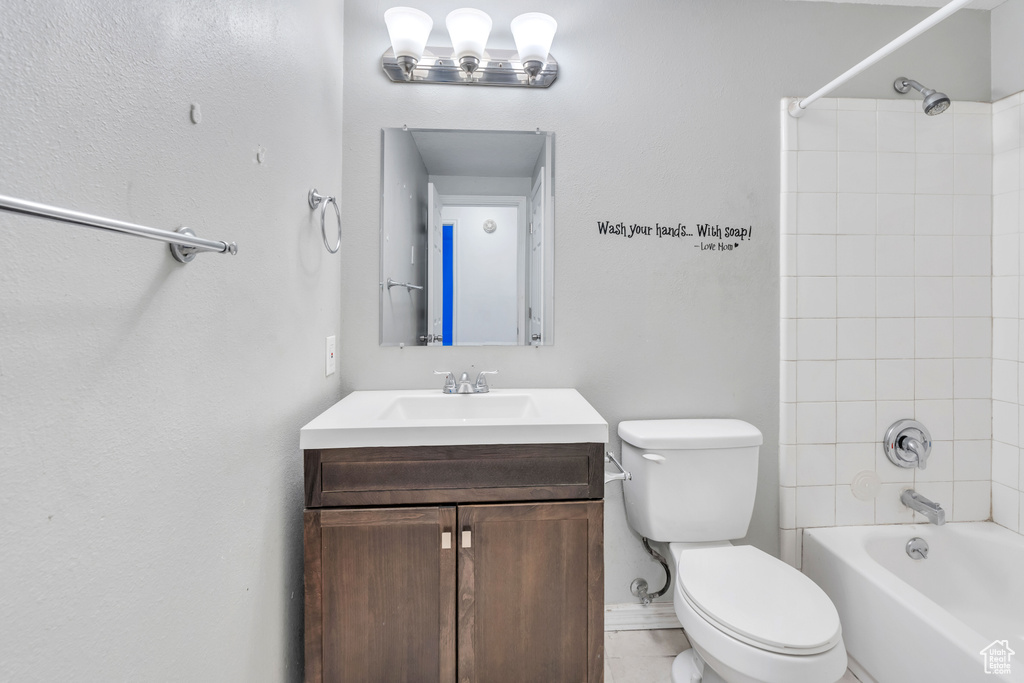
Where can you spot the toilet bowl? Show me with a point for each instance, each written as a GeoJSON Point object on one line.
{"type": "Point", "coordinates": [750, 617]}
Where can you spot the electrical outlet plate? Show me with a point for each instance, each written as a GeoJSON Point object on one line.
{"type": "Point", "coordinates": [329, 356]}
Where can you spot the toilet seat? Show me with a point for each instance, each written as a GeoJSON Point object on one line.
{"type": "Point", "coordinates": [758, 599]}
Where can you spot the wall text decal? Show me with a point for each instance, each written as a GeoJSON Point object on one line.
{"type": "Point", "coordinates": [705, 236]}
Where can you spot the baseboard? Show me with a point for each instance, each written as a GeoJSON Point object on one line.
{"type": "Point", "coordinates": [636, 617]}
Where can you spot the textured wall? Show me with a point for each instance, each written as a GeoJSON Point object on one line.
{"type": "Point", "coordinates": [150, 477]}
{"type": "Point", "coordinates": [663, 112]}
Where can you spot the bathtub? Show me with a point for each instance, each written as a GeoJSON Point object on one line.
{"type": "Point", "coordinates": [907, 620]}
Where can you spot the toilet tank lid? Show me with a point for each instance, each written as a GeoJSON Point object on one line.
{"type": "Point", "coordinates": [690, 434]}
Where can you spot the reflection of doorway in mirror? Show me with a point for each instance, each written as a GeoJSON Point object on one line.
{"type": "Point", "coordinates": [536, 279]}
{"type": "Point", "coordinates": [483, 302]}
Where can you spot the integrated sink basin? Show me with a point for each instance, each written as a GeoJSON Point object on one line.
{"type": "Point", "coordinates": [431, 418]}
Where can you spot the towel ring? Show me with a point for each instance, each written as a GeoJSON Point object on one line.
{"type": "Point", "coordinates": [315, 199]}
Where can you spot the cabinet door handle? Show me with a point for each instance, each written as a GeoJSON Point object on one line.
{"type": "Point", "coordinates": [467, 538]}
{"type": "Point", "coordinates": [446, 540]}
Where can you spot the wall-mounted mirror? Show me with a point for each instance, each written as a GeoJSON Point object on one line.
{"type": "Point", "coordinates": [466, 237]}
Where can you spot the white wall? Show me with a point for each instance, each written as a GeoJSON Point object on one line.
{"type": "Point", "coordinates": [1007, 49]}
{"type": "Point", "coordinates": [150, 476]}
{"type": "Point", "coordinates": [644, 329]}
{"type": "Point", "coordinates": [1007, 351]}
{"type": "Point", "coordinates": [404, 254]}
{"type": "Point", "coordinates": [486, 273]}
{"type": "Point", "coordinates": [886, 309]}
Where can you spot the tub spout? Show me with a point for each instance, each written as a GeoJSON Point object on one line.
{"type": "Point", "coordinates": [915, 501]}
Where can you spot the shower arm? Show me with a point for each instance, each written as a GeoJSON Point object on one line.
{"type": "Point", "coordinates": [798, 107]}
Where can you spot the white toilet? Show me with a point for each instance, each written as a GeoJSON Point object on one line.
{"type": "Point", "coordinates": [750, 617]}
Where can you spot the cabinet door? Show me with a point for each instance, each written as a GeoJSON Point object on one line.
{"type": "Point", "coordinates": [380, 595]}
{"type": "Point", "coordinates": [531, 593]}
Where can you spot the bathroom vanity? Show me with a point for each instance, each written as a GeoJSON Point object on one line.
{"type": "Point", "coordinates": [448, 559]}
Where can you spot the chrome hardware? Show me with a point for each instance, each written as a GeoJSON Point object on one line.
{"type": "Point", "coordinates": [623, 474]}
{"type": "Point", "coordinates": [465, 387]}
{"type": "Point", "coordinates": [467, 538]}
{"type": "Point", "coordinates": [907, 444]}
{"type": "Point", "coordinates": [639, 586]}
{"type": "Point", "coordinates": [535, 336]}
{"type": "Point", "coordinates": [481, 381]}
{"type": "Point", "coordinates": [915, 501]}
{"type": "Point", "coordinates": [315, 199]}
{"type": "Point", "coordinates": [917, 548]}
{"type": "Point", "coordinates": [393, 283]}
{"type": "Point", "coordinates": [441, 65]}
{"type": "Point", "coordinates": [446, 540]}
{"type": "Point", "coordinates": [449, 381]}
{"type": "Point", "coordinates": [428, 338]}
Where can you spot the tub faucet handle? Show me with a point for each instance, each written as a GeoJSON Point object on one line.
{"type": "Point", "coordinates": [908, 444]}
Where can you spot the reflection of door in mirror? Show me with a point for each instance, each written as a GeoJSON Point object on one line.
{"type": "Point", "coordinates": [435, 264]}
{"type": "Point", "coordinates": [536, 234]}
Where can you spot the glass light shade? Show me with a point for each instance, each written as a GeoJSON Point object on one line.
{"type": "Point", "coordinates": [469, 30]}
{"type": "Point", "coordinates": [409, 29]}
{"type": "Point", "coordinates": [533, 33]}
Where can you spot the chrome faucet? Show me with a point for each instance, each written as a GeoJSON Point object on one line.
{"type": "Point", "coordinates": [463, 385]}
{"type": "Point", "coordinates": [915, 501]}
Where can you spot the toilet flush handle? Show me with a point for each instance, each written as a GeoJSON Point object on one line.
{"type": "Point", "coordinates": [654, 457]}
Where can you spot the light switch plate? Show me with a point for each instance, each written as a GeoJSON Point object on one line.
{"type": "Point", "coordinates": [330, 355]}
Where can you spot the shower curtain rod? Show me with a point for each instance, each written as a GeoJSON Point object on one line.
{"type": "Point", "coordinates": [798, 107]}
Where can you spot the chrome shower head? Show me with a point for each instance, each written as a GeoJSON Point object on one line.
{"type": "Point", "coordinates": [934, 102]}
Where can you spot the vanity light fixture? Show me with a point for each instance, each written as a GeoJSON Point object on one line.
{"type": "Point", "coordinates": [469, 61]}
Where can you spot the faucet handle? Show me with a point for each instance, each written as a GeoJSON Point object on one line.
{"type": "Point", "coordinates": [449, 381]}
{"type": "Point", "coordinates": [481, 381]}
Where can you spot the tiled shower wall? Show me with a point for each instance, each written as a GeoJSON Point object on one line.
{"type": "Point", "coordinates": [886, 264]}
{"type": "Point", "coordinates": [1008, 332]}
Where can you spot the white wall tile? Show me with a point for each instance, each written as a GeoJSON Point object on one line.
{"type": "Point", "coordinates": [855, 255]}
{"type": "Point", "coordinates": [933, 337]}
{"type": "Point", "coordinates": [933, 296]}
{"type": "Point", "coordinates": [897, 173]}
{"type": "Point", "coordinates": [855, 380]}
{"type": "Point", "coordinates": [855, 214]}
{"type": "Point", "coordinates": [787, 465]}
{"type": "Point", "coordinates": [816, 130]}
{"type": "Point", "coordinates": [855, 421]}
{"type": "Point", "coordinates": [1005, 423]}
{"type": "Point", "coordinates": [972, 378]}
{"type": "Point", "coordinates": [972, 215]}
{"type": "Point", "coordinates": [972, 460]}
{"type": "Point", "coordinates": [816, 465]}
{"type": "Point", "coordinates": [815, 506]}
{"type": "Point", "coordinates": [934, 134]}
{"type": "Point", "coordinates": [896, 131]}
{"type": "Point", "coordinates": [815, 423]}
{"type": "Point", "coordinates": [972, 419]}
{"type": "Point", "coordinates": [933, 214]}
{"type": "Point", "coordinates": [894, 256]}
{"type": "Point", "coordinates": [933, 379]}
{"type": "Point", "coordinates": [856, 338]}
{"type": "Point", "coordinates": [895, 214]}
{"type": "Point", "coordinates": [1006, 213]}
{"type": "Point", "coordinates": [857, 130]}
{"type": "Point", "coordinates": [855, 297]}
{"type": "Point", "coordinates": [908, 106]}
{"type": "Point", "coordinates": [788, 171]}
{"type": "Point", "coordinates": [888, 508]}
{"type": "Point", "coordinates": [971, 501]}
{"type": "Point", "coordinates": [816, 255]}
{"type": "Point", "coordinates": [1005, 464]}
{"type": "Point", "coordinates": [815, 213]}
{"type": "Point", "coordinates": [972, 133]}
{"type": "Point", "coordinates": [815, 380]}
{"type": "Point", "coordinates": [853, 458]}
{"type": "Point", "coordinates": [940, 463]}
{"type": "Point", "coordinates": [972, 297]}
{"type": "Point", "coordinates": [816, 297]}
{"type": "Point", "coordinates": [816, 171]}
{"type": "Point", "coordinates": [787, 381]}
{"type": "Point", "coordinates": [851, 510]}
{"type": "Point", "coordinates": [1006, 130]}
{"type": "Point", "coordinates": [1005, 255]}
{"type": "Point", "coordinates": [895, 338]}
{"type": "Point", "coordinates": [787, 423]}
{"type": "Point", "coordinates": [1003, 381]}
{"type": "Point", "coordinates": [816, 339]}
{"type": "Point", "coordinates": [857, 172]}
{"type": "Point", "coordinates": [855, 104]}
{"type": "Point", "coordinates": [972, 337]}
{"type": "Point", "coordinates": [1005, 296]}
{"type": "Point", "coordinates": [934, 173]}
{"type": "Point", "coordinates": [894, 380]}
{"type": "Point", "coordinates": [933, 255]}
{"type": "Point", "coordinates": [894, 297]}
{"type": "Point", "coordinates": [789, 546]}
{"type": "Point", "coordinates": [787, 507]}
{"type": "Point", "coordinates": [1005, 172]}
{"type": "Point", "coordinates": [938, 416]}
{"type": "Point", "coordinates": [887, 412]}
{"type": "Point", "coordinates": [1006, 506]}
{"type": "Point", "coordinates": [972, 255]}
{"type": "Point", "coordinates": [972, 174]}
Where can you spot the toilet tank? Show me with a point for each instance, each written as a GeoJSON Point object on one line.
{"type": "Point", "coordinates": [692, 480]}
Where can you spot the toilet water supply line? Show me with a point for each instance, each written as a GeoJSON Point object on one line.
{"type": "Point", "coordinates": [798, 107]}
{"type": "Point", "coordinates": [639, 585]}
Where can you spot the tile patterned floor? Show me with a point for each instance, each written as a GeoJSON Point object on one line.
{"type": "Point", "coordinates": [646, 656]}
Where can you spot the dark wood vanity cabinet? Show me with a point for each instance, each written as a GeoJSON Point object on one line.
{"type": "Point", "coordinates": [480, 570]}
